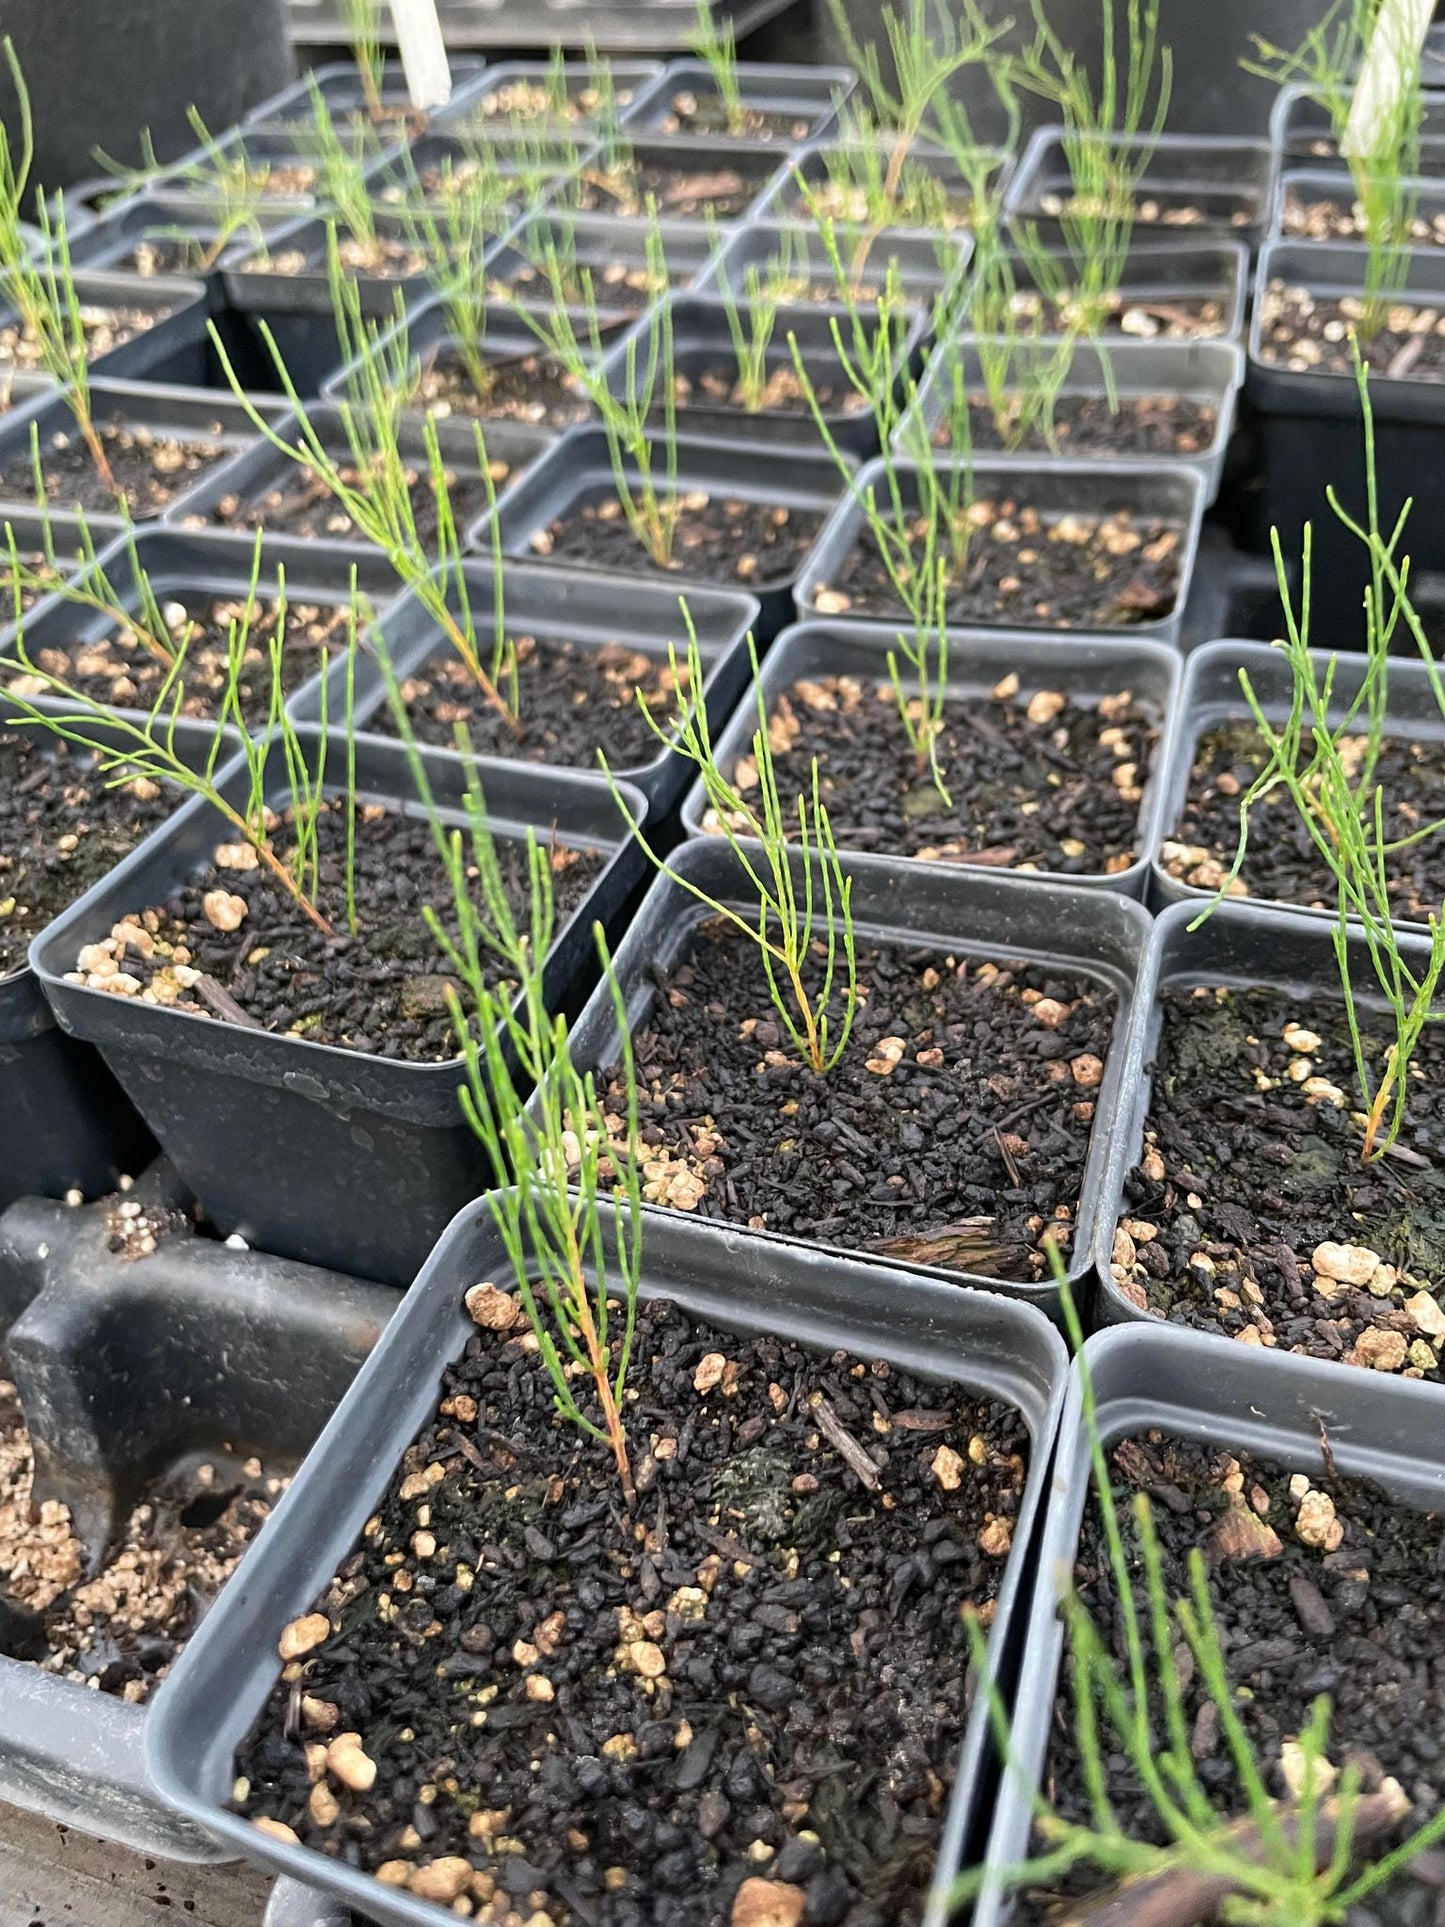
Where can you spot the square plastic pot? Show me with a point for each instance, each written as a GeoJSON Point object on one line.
{"type": "Point", "coordinates": [757, 163]}
{"type": "Point", "coordinates": [1308, 430]}
{"type": "Point", "coordinates": [305, 1149]}
{"type": "Point", "coordinates": [217, 1689]}
{"type": "Point", "coordinates": [578, 472]}
{"type": "Point", "coordinates": [1157, 273]}
{"type": "Point", "coordinates": [587, 610]}
{"type": "Point", "coordinates": [1303, 186]}
{"type": "Point", "coordinates": [1211, 695]}
{"type": "Point", "coordinates": [158, 353]}
{"type": "Point", "coordinates": [185, 413]}
{"type": "Point", "coordinates": [1379, 1428]}
{"type": "Point", "coordinates": [339, 84]}
{"type": "Point", "coordinates": [633, 81]}
{"type": "Point", "coordinates": [1224, 177]}
{"type": "Point", "coordinates": [1302, 136]}
{"type": "Point", "coordinates": [180, 564]}
{"type": "Point", "coordinates": [1196, 371]}
{"type": "Point", "coordinates": [1093, 933]}
{"type": "Point", "coordinates": [263, 467]}
{"type": "Point", "coordinates": [529, 166]}
{"type": "Point", "coordinates": [813, 166]}
{"type": "Point", "coordinates": [264, 150]}
{"type": "Point", "coordinates": [127, 1366]}
{"type": "Point", "coordinates": [701, 340]}
{"type": "Point", "coordinates": [109, 243]}
{"type": "Point", "coordinates": [978, 659]}
{"type": "Point", "coordinates": [812, 95]}
{"type": "Point", "coordinates": [928, 263]}
{"type": "Point", "coordinates": [1055, 488]}
{"type": "Point", "coordinates": [1241, 945]}
{"type": "Point", "coordinates": [250, 283]}
{"type": "Point", "coordinates": [596, 242]}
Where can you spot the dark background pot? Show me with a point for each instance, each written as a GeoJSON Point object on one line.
{"type": "Point", "coordinates": [98, 75]}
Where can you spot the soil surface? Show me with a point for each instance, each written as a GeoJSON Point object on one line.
{"type": "Point", "coordinates": [522, 103]}
{"type": "Point", "coordinates": [118, 1628]}
{"type": "Point", "coordinates": [952, 1131]}
{"type": "Point", "coordinates": [1281, 861]}
{"type": "Point", "coordinates": [714, 383]}
{"type": "Point", "coordinates": [1165, 207]}
{"type": "Point", "coordinates": [1319, 1585]}
{"type": "Point", "coordinates": [1341, 218]}
{"type": "Point", "coordinates": [720, 538]}
{"type": "Point", "coordinates": [151, 469]}
{"type": "Point", "coordinates": [723, 185]}
{"type": "Point", "coordinates": [122, 668]}
{"type": "Point", "coordinates": [1250, 1213]}
{"type": "Point", "coordinates": [693, 113]}
{"type": "Point", "coordinates": [1164, 425]}
{"type": "Point", "coordinates": [105, 326]}
{"type": "Point", "coordinates": [382, 992]}
{"type": "Point", "coordinates": [1035, 780]}
{"type": "Point", "coordinates": [388, 257]}
{"type": "Point", "coordinates": [300, 503]}
{"type": "Point", "coordinates": [1059, 569]}
{"type": "Point", "coordinates": [1160, 317]}
{"type": "Point", "coordinates": [574, 699]}
{"type": "Point", "coordinates": [520, 388]}
{"type": "Point", "coordinates": [163, 253]}
{"type": "Point", "coordinates": [755, 1693]}
{"type": "Point", "coordinates": [922, 200]}
{"type": "Point", "coordinates": [61, 830]}
{"type": "Point", "coordinates": [1305, 331]}
{"type": "Point", "coordinates": [618, 287]}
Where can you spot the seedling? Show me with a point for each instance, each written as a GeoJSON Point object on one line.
{"type": "Point", "coordinates": [1303, 1862]}
{"type": "Point", "coordinates": [148, 747]}
{"type": "Point", "coordinates": [363, 31]}
{"type": "Point", "coordinates": [553, 1148]}
{"type": "Point", "coordinates": [804, 917]}
{"type": "Point", "coordinates": [375, 487]}
{"type": "Point", "coordinates": [1384, 165]}
{"type": "Point", "coordinates": [714, 40]}
{"type": "Point", "coordinates": [341, 173]}
{"type": "Point", "coordinates": [39, 284]}
{"type": "Point", "coordinates": [1341, 806]}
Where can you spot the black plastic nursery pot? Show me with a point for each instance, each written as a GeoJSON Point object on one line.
{"type": "Point", "coordinates": [287, 271]}
{"type": "Point", "coordinates": [690, 180]}
{"type": "Point", "coordinates": [1167, 291]}
{"type": "Point", "coordinates": [525, 169]}
{"type": "Point", "coordinates": [340, 86]}
{"type": "Point", "coordinates": [926, 263]}
{"type": "Point", "coordinates": [209, 428]}
{"type": "Point", "coordinates": [782, 104]}
{"type": "Point", "coordinates": [707, 377]}
{"type": "Point", "coordinates": [265, 488]}
{"type": "Point", "coordinates": [807, 657]}
{"type": "Point", "coordinates": [514, 97]}
{"type": "Point", "coordinates": [578, 474]}
{"type": "Point", "coordinates": [834, 175]}
{"type": "Point", "coordinates": [1190, 185]}
{"type": "Point", "coordinates": [733, 1285]}
{"type": "Point", "coordinates": [1318, 206]}
{"type": "Point", "coordinates": [1068, 496]}
{"type": "Point", "coordinates": [1288, 1411]}
{"type": "Point", "coordinates": [161, 234]}
{"type": "Point", "coordinates": [1210, 699]}
{"type": "Point", "coordinates": [1094, 936]}
{"type": "Point", "coordinates": [308, 1150]}
{"type": "Point", "coordinates": [1270, 965]}
{"type": "Point", "coordinates": [280, 162]}
{"type": "Point", "coordinates": [192, 571]}
{"type": "Point", "coordinates": [1308, 426]}
{"type": "Point", "coordinates": [148, 1363]}
{"type": "Point", "coordinates": [159, 320]}
{"type": "Point", "coordinates": [590, 619]}
{"type": "Point", "coordinates": [1302, 134]}
{"type": "Point", "coordinates": [617, 255]}
{"type": "Point", "coordinates": [1190, 388]}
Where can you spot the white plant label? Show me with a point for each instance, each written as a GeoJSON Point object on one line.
{"type": "Point", "coordinates": [1391, 63]}
{"type": "Point", "coordinates": [423, 53]}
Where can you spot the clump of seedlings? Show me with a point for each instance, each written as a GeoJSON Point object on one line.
{"type": "Point", "coordinates": [1200, 1775]}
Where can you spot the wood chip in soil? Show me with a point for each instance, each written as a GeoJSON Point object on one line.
{"type": "Point", "coordinates": [1035, 780]}
{"type": "Point", "coordinates": [301, 504]}
{"type": "Point", "coordinates": [720, 538]}
{"type": "Point", "coordinates": [119, 1627]}
{"type": "Point", "coordinates": [382, 992]}
{"type": "Point", "coordinates": [61, 830]}
{"type": "Point", "coordinates": [1320, 1585]}
{"type": "Point", "coordinates": [1165, 425]}
{"type": "Point", "coordinates": [1281, 862]}
{"type": "Point", "coordinates": [575, 699]}
{"type": "Point", "coordinates": [151, 468]}
{"type": "Point", "coordinates": [1304, 331]}
{"type": "Point", "coordinates": [952, 1132]}
{"type": "Point", "coordinates": [1249, 1212]}
{"type": "Point", "coordinates": [572, 1715]}
{"type": "Point", "coordinates": [1056, 569]}
{"type": "Point", "coordinates": [123, 669]}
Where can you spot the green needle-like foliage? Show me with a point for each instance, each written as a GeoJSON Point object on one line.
{"type": "Point", "coordinates": [714, 40]}
{"type": "Point", "coordinates": [363, 32]}
{"type": "Point", "coordinates": [804, 895]}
